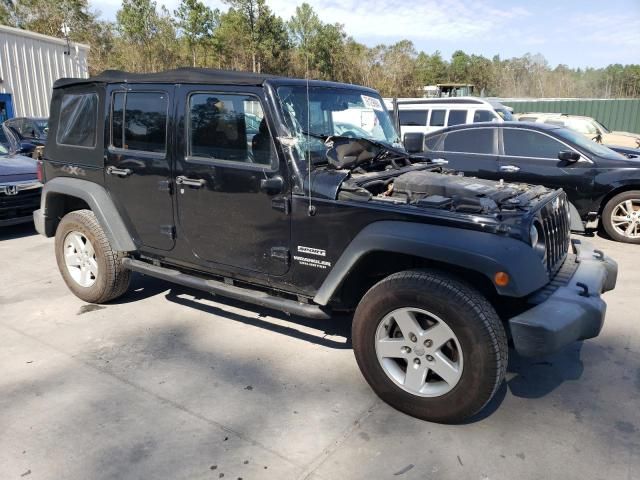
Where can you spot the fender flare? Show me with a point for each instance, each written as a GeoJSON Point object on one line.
{"type": "Point", "coordinates": [486, 253]}
{"type": "Point", "coordinates": [98, 200]}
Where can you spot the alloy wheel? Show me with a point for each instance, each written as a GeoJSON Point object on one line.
{"type": "Point", "coordinates": [419, 352]}
{"type": "Point", "coordinates": [625, 218]}
{"type": "Point", "coordinates": [80, 259]}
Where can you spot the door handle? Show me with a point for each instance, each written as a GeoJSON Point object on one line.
{"type": "Point", "coordinates": [120, 172]}
{"type": "Point", "coordinates": [190, 182]}
{"type": "Point", "coordinates": [509, 168]}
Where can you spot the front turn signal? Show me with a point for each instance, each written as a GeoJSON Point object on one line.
{"type": "Point", "coordinates": [501, 279]}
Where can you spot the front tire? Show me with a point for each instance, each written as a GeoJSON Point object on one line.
{"type": "Point", "coordinates": [621, 217]}
{"type": "Point", "coordinates": [91, 269]}
{"type": "Point", "coordinates": [430, 345]}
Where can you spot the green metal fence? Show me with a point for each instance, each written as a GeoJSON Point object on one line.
{"type": "Point", "coordinates": [615, 114]}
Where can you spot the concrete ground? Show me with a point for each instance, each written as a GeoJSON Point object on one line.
{"type": "Point", "coordinates": [168, 384]}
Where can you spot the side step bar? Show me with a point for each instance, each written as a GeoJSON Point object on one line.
{"type": "Point", "coordinates": [255, 297]}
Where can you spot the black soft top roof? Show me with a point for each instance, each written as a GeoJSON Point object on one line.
{"type": "Point", "coordinates": [179, 75]}
{"type": "Point", "coordinates": [198, 75]}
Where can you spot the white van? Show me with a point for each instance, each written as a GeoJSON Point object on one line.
{"type": "Point", "coordinates": [424, 115]}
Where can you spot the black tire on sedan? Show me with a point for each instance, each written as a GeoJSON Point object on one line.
{"type": "Point", "coordinates": [91, 269]}
{"type": "Point", "coordinates": [430, 345]}
{"type": "Point", "coordinates": [621, 217]}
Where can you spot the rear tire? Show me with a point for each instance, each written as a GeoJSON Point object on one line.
{"type": "Point", "coordinates": [621, 217]}
{"type": "Point", "coordinates": [416, 311]}
{"type": "Point", "coordinates": [91, 269]}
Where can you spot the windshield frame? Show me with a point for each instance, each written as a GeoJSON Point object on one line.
{"type": "Point", "coordinates": [299, 131]}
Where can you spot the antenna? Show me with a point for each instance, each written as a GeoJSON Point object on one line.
{"type": "Point", "coordinates": [312, 209]}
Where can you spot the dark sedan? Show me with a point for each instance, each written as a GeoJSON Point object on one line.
{"type": "Point", "coordinates": [600, 183]}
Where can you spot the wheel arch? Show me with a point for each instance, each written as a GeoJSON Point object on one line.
{"type": "Point", "coordinates": [479, 254]}
{"type": "Point", "coordinates": [63, 195]}
{"type": "Point", "coordinates": [616, 191]}
{"type": "Point", "coordinates": [376, 265]}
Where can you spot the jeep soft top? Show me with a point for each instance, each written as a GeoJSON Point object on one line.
{"type": "Point", "coordinates": [296, 195]}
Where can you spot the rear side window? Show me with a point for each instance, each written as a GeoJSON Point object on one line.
{"type": "Point", "coordinates": [457, 117]}
{"type": "Point", "coordinates": [484, 116]}
{"type": "Point", "coordinates": [413, 118]}
{"type": "Point", "coordinates": [527, 143]}
{"type": "Point", "coordinates": [477, 140]}
{"type": "Point", "coordinates": [437, 118]}
{"type": "Point", "coordinates": [139, 121]}
{"type": "Point", "coordinates": [77, 124]}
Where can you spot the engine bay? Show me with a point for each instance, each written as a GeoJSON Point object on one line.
{"type": "Point", "coordinates": [441, 189]}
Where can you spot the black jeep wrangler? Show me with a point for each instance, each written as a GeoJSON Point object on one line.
{"type": "Point", "coordinates": [297, 196]}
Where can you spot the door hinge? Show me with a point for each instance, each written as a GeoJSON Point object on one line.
{"type": "Point", "coordinates": [165, 186]}
{"type": "Point", "coordinates": [168, 230]}
{"type": "Point", "coordinates": [281, 253]}
{"type": "Point", "coordinates": [281, 204]}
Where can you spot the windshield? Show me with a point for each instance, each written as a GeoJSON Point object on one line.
{"type": "Point", "coordinates": [334, 111]}
{"type": "Point", "coordinates": [587, 144]}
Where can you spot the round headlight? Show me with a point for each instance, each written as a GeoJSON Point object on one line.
{"type": "Point", "coordinates": [536, 236]}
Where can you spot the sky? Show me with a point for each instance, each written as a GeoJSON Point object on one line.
{"type": "Point", "coordinates": [577, 33]}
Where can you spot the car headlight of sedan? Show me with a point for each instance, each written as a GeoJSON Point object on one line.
{"type": "Point", "coordinates": [536, 237]}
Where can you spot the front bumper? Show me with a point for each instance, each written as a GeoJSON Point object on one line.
{"type": "Point", "coordinates": [573, 311]}
{"type": "Point", "coordinates": [15, 221]}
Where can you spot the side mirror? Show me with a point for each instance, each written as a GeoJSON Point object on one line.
{"type": "Point", "coordinates": [569, 156]}
{"type": "Point", "coordinates": [272, 185]}
{"type": "Point", "coordinates": [414, 142]}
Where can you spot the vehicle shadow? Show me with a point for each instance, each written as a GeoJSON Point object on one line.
{"type": "Point", "coordinates": [142, 287]}
{"type": "Point", "coordinates": [537, 377]}
{"type": "Point", "coordinates": [17, 231]}
{"type": "Point", "coordinates": [309, 330]}
{"type": "Point", "coordinates": [528, 378]}
{"type": "Point", "coordinates": [533, 378]}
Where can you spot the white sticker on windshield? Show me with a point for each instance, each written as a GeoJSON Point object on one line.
{"type": "Point", "coordinates": [371, 102]}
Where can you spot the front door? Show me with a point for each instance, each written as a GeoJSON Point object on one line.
{"type": "Point", "coordinates": [138, 162]}
{"type": "Point", "coordinates": [530, 156]}
{"type": "Point", "coordinates": [231, 192]}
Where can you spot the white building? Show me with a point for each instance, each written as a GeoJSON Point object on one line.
{"type": "Point", "coordinates": [29, 64]}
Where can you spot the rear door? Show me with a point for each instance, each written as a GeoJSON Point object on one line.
{"type": "Point", "coordinates": [138, 162]}
{"type": "Point", "coordinates": [531, 156]}
{"type": "Point", "coordinates": [472, 151]}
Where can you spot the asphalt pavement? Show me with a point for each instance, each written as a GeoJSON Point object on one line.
{"type": "Point", "coordinates": [169, 383]}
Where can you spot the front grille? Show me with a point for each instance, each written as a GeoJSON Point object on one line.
{"type": "Point", "coordinates": [554, 218]}
{"type": "Point", "coordinates": [21, 205]}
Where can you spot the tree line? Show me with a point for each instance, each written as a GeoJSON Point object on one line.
{"type": "Point", "coordinates": [147, 37]}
